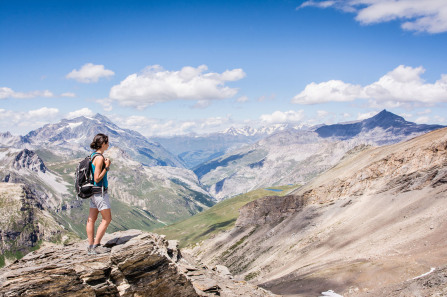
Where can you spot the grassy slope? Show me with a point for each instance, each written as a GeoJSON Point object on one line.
{"type": "Point", "coordinates": [220, 217]}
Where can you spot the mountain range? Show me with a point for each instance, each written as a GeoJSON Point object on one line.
{"type": "Point", "coordinates": [296, 156]}
{"type": "Point", "coordinates": [150, 186]}
{"type": "Point", "coordinates": [194, 149]}
{"type": "Point", "coordinates": [73, 136]}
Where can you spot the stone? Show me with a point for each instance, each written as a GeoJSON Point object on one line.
{"type": "Point", "coordinates": [222, 270]}
{"type": "Point", "coordinates": [140, 264]}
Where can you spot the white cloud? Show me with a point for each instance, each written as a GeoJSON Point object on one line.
{"type": "Point", "coordinates": [333, 90]}
{"type": "Point", "coordinates": [155, 85]}
{"type": "Point", "coordinates": [6, 92]}
{"type": "Point", "coordinates": [322, 113]}
{"type": "Point", "coordinates": [426, 111]}
{"type": "Point", "coordinates": [68, 94]}
{"type": "Point", "coordinates": [242, 99]}
{"type": "Point", "coordinates": [320, 4]}
{"type": "Point", "coordinates": [440, 120]}
{"type": "Point", "coordinates": [10, 93]}
{"type": "Point", "coordinates": [43, 112]}
{"type": "Point", "coordinates": [416, 15]}
{"type": "Point", "coordinates": [86, 112]}
{"type": "Point", "coordinates": [202, 104]}
{"type": "Point", "coordinates": [265, 98]}
{"type": "Point", "coordinates": [90, 73]}
{"type": "Point", "coordinates": [367, 115]}
{"type": "Point", "coordinates": [187, 125]}
{"type": "Point", "coordinates": [214, 122]}
{"type": "Point", "coordinates": [21, 122]}
{"type": "Point", "coordinates": [422, 120]}
{"type": "Point", "coordinates": [401, 85]}
{"type": "Point", "coordinates": [283, 117]}
{"type": "Point", "coordinates": [106, 104]}
{"type": "Point", "coordinates": [164, 127]}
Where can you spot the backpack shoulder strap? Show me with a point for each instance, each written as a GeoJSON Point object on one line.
{"type": "Point", "coordinates": [94, 155]}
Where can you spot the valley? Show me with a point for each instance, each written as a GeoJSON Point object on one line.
{"type": "Point", "coordinates": [375, 220]}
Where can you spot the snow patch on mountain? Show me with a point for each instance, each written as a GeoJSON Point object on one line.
{"type": "Point", "coordinates": [74, 125]}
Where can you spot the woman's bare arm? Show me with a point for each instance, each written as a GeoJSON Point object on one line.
{"type": "Point", "coordinates": [100, 171]}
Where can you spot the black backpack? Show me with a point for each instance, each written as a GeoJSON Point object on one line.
{"type": "Point", "coordinates": [83, 177]}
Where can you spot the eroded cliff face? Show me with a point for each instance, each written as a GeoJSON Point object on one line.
{"type": "Point", "coordinates": [269, 210]}
{"type": "Point", "coordinates": [139, 264]}
{"type": "Point", "coordinates": [407, 166]}
{"type": "Point", "coordinates": [375, 220]}
{"type": "Point", "coordinates": [24, 223]}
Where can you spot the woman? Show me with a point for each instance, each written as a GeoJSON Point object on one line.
{"type": "Point", "coordinates": [99, 202]}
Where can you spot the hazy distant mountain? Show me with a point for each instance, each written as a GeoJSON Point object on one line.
{"type": "Point", "coordinates": [296, 156]}
{"type": "Point", "coordinates": [196, 149]}
{"type": "Point", "coordinates": [9, 140]}
{"type": "Point", "coordinates": [77, 134]}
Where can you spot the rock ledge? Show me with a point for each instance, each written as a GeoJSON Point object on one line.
{"type": "Point", "coordinates": [139, 264]}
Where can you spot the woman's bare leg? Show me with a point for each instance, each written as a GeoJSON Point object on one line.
{"type": "Point", "coordinates": [106, 219]}
{"type": "Point", "coordinates": [92, 216]}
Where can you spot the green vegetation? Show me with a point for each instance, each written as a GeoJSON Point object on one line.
{"type": "Point", "coordinates": [220, 217]}
{"type": "Point", "coordinates": [251, 276]}
{"type": "Point", "coordinates": [17, 253]}
{"type": "Point", "coordinates": [124, 217]}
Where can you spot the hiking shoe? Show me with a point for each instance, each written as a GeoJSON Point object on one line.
{"type": "Point", "coordinates": [99, 249]}
{"type": "Point", "coordinates": [90, 251]}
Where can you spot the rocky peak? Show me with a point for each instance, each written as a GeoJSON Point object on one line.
{"type": "Point", "coordinates": [139, 264]}
{"type": "Point", "coordinates": [102, 118]}
{"type": "Point", "coordinates": [384, 120]}
{"type": "Point", "coordinates": [27, 159]}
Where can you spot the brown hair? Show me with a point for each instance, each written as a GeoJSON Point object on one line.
{"type": "Point", "coordinates": [98, 141]}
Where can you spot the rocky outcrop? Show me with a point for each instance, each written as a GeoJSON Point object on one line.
{"type": "Point", "coordinates": [412, 165]}
{"type": "Point", "coordinates": [29, 160]}
{"type": "Point", "coordinates": [139, 264]}
{"type": "Point", "coordinates": [268, 210]}
{"type": "Point", "coordinates": [23, 222]}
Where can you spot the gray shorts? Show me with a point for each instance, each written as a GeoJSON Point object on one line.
{"type": "Point", "coordinates": [100, 201]}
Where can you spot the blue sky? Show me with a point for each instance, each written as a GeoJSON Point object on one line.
{"type": "Point", "coordinates": [170, 67]}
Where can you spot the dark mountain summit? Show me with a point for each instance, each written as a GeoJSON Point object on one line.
{"type": "Point", "coordinates": [385, 120]}
{"type": "Point", "coordinates": [30, 160]}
